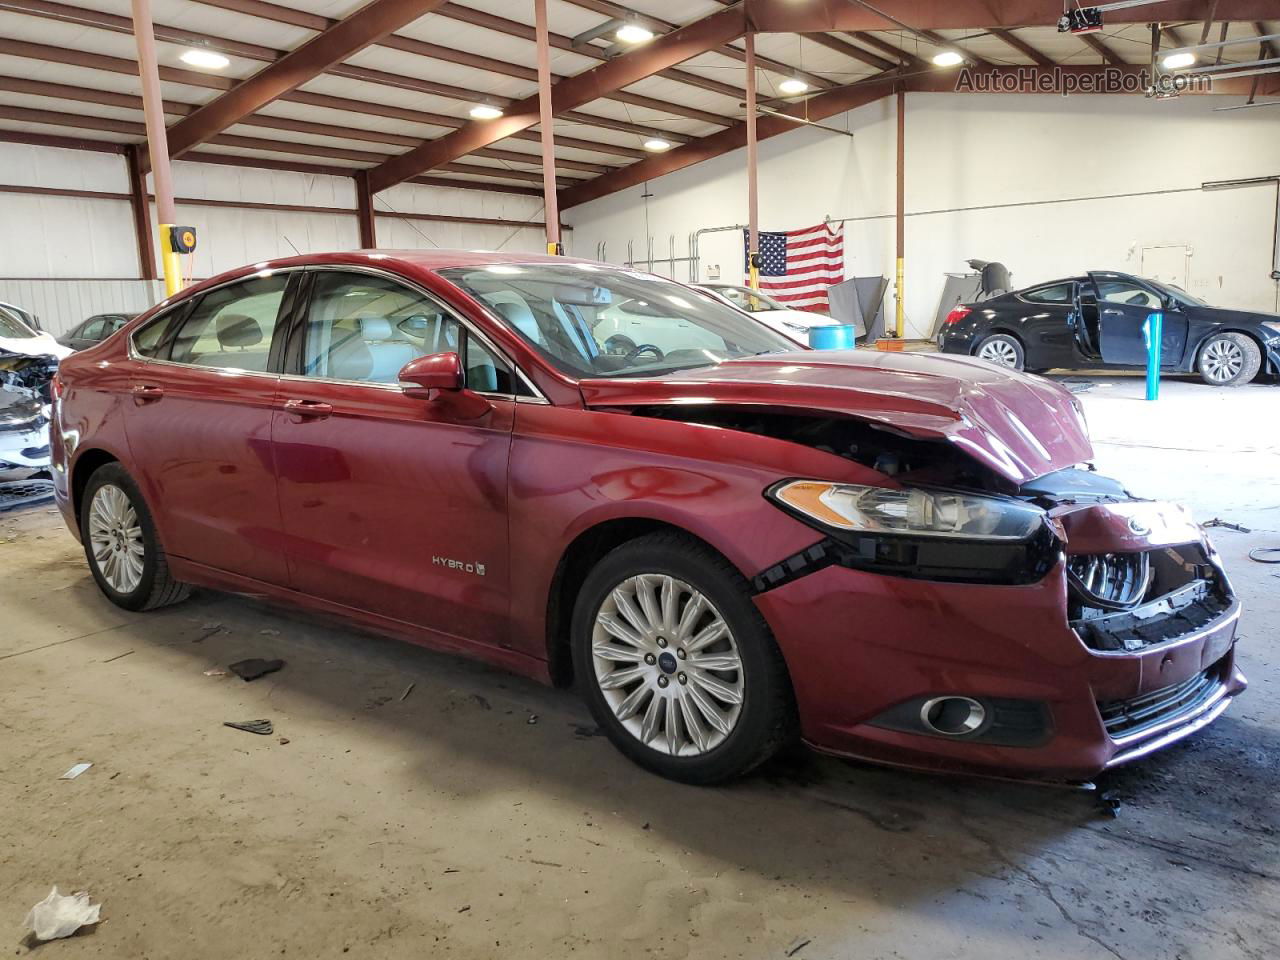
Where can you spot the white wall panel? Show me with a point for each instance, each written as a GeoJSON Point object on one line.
{"type": "Point", "coordinates": [62, 304]}
{"type": "Point", "coordinates": [1013, 178]}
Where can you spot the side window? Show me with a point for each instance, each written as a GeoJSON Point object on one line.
{"type": "Point", "coordinates": [366, 328]}
{"type": "Point", "coordinates": [231, 327]}
{"type": "Point", "coordinates": [93, 330]}
{"type": "Point", "coordinates": [153, 338]}
{"type": "Point", "coordinates": [1057, 293]}
{"type": "Point", "coordinates": [1127, 293]}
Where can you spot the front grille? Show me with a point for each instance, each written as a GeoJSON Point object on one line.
{"type": "Point", "coordinates": [1125, 718]}
{"type": "Point", "coordinates": [1130, 601]}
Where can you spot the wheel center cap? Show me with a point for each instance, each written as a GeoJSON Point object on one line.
{"type": "Point", "coordinates": [667, 661]}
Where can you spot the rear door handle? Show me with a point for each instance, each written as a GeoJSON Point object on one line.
{"type": "Point", "coordinates": [147, 393]}
{"type": "Point", "coordinates": [308, 409]}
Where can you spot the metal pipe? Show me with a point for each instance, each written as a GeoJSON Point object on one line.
{"type": "Point", "coordinates": [899, 323]}
{"type": "Point", "coordinates": [546, 132]}
{"type": "Point", "coordinates": [157, 142]}
{"type": "Point", "coordinates": [753, 197]}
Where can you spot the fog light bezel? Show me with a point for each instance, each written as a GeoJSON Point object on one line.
{"type": "Point", "coordinates": [976, 717]}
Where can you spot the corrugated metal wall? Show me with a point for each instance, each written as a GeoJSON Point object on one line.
{"type": "Point", "coordinates": [66, 258]}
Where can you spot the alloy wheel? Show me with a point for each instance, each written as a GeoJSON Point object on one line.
{"type": "Point", "coordinates": [999, 352]}
{"type": "Point", "coordinates": [1222, 361]}
{"type": "Point", "coordinates": [115, 537]}
{"type": "Point", "coordinates": [668, 665]}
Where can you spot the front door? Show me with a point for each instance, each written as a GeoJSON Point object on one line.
{"type": "Point", "coordinates": [392, 504]}
{"type": "Point", "coordinates": [1124, 306]}
{"type": "Point", "coordinates": [199, 426]}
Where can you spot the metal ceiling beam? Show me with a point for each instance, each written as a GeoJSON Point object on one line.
{"type": "Point", "coordinates": [904, 57]}
{"type": "Point", "coordinates": [849, 50]}
{"type": "Point", "coordinates": [819, 107]}
{"type": "Point", "coordinates": [119, 65]}
{"type": "Point", "coordinates": [132, 128]}
{"type": "Point", "coordinates": [62, 91]}
{"type": "Point", "coordinates": [367, 25]}
{"type": "Point", "coordinates": [568, 94]}
{"type": "Point", "coordinates": [788, 16]}
{"type": "Point", "coordinates": [299, 18]}
{"type": "Point", "coordinates": [1094, 42]}
{"type": "Point", "coordinates": [1024, 48]}
{"type": "Point", "coordinates": [617, 11]}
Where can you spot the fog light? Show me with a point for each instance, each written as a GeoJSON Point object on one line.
{"type": "Point", "coordinates": [952, 716]}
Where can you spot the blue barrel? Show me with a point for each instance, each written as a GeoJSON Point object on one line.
{"type": "Point", "coordinates": [842, 336]}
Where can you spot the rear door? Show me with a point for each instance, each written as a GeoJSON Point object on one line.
{"type": "Point", "coordinates": [199, 425]}
{"type": "Point", "coordinates": [393, 504]}
{"type": "Point", "coordinates": [1124, 306]}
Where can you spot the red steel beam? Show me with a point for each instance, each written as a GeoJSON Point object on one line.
{"type": "Point", "coordinates": [1095, 43]}
{"type": "Point", "coordinates": [140, 206]}
{"type": "Point", "coordinates": [368, 25]}
{"type": "Point", "coordinates": [814, 16]}
{"type": "Point", "coordinates": [1024, 48]}
{"type": "Point", "coordinates": [364, 212]}
{"type": "Point", "coordinates": [568, 94]}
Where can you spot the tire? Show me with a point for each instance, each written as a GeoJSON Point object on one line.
{"type": "Point", "coordinates": [1228, 360]}
{"type": "Point", "coordinates": [1002, 350]}
{"type": "Point", "coordinates": [750, 731]}
{"type": "Point", "coordinates": [111, 508]}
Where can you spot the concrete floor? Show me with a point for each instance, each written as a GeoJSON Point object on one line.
{"type": "Point", "coordinates": [480, 816]}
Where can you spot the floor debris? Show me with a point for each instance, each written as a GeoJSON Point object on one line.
{"type": "Point", "coordinates": [798, 944]}
{"type": "Point", "coordinates": [57, 916]}
{"type": "Point", "coordinates": [261, 727]}
{"type": "Point", "coordinates": [282, 741]}
{"type": "Point", "coordinates": [215, 672]}
{"type": "Point", "coordinates": [254, 668]}
{"type": "Point", "coordinates": [533, 718]}
{"type": "Point", "coordinates": [408, 690]}
{"type": "Point", "coordinates": [1219, 522]}
{"type": "Point", "coordinates": [1257, 554]}
{"type": "Point", "coordinates": [75, 771]}
{"type": "Point", "coordinates": [1109, 803]}
{"type": "Point", "coordinates": [118, 656]}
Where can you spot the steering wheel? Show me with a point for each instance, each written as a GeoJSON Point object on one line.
{"type": "Point", "coordinates": [635, 353]}
{"type": "Point", "coordinates": [619, 345]}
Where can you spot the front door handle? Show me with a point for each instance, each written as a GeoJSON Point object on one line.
{"type": "Point", "coordinates": [308, 409]}
{"type": "Point", "coordinates": [147, 393]}
{"type": "Point", "coordinates": [1111, 313]}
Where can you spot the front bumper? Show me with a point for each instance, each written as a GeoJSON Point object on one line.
{"type": "Point", "coordinates": [26, 448]}
{"type": "Point", "coordinates": [859, 644]}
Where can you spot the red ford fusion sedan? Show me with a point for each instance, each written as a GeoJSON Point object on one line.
{"type": "Point", "coordinates": [587, 474]}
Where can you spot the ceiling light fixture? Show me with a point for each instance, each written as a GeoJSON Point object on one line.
{"type": "Point", "coordinates": [793, 85]}
{"type": "Point", "coordinates": [657, 144]}
{"type": "Point", "coordinates": [205, 58]}
{"type": "Point", "coordinates": [1176, 61]}
{"type": "Point", "coordinates": [947, 58]}
{"type": "Point", "coordinates": [634, 33]}
{"type": "Point", "coordinates": [485, 111]}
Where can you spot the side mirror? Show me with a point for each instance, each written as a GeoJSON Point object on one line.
{"type": "Point", "coordinates": [423, 377]}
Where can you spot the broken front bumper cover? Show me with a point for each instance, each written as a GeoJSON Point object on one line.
{"type": "Point", "coordinates": [871, 650]}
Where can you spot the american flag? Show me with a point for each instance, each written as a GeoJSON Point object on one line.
{"type": "Point", "coordinates": [797, 266]}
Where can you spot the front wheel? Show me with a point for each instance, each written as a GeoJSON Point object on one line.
{"type": "Point", "coordinates": [121, 544]}
{"type": "Point", "coordinates": [1002, 350]}
{"type": "Point", "coordinates": [677, 665]}
{"type": "Point", "coordinates": [1228, 360]}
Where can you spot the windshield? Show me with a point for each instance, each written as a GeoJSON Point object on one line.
{"type": "Point", "coordinates": [744, 298]}
{"type": "Point", "coordinates": [11, 326]}
{"type": "Point", "coordinates": [593, 321]}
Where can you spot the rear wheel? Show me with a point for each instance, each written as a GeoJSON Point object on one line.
{"type": "Point", "coordinates": [1002, 350]}
{"type": "Point", "coordinates": [121, 544]}
{"type": "Point", "coordinates": [1228, 360]}
{"type": "Point", "coordinates": [676, 663]}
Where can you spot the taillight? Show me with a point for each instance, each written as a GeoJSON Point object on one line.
{"type": "Point", "coordinates": [957, 314]}
{"type": "Point", "coordinates": [55, 388]}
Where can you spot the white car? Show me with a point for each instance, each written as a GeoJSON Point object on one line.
{"type": "Point", "coordinates": [28, 359]}
{"type": "Point", "coordinates": [792, 324]}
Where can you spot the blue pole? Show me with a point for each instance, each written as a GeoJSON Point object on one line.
{"type": "Point", "coordinates": [1154, 331]}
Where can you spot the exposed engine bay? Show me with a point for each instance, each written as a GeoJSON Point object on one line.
{"type": "Point", "coordinates": [25, 388]}
{"type": "Point", "coordinates": [1122, 601]}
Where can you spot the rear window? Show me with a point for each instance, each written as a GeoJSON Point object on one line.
{"type": "Point", "coordinates": [1054, 293]}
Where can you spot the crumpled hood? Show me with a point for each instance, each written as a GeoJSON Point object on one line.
{"type": "Point", "coordinates": [1020, 426]}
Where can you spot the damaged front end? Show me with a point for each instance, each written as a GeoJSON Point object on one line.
{"type": "Point", "coordinates": [948, 616]}
{"type": "Point", "coordinates": [25, 393]}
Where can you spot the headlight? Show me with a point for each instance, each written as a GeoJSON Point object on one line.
{"type": "Point", "coordinates": [912, 512]}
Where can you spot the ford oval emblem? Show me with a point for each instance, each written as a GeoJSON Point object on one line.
{"type": "Point", "coordinates": [1138, 528]}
